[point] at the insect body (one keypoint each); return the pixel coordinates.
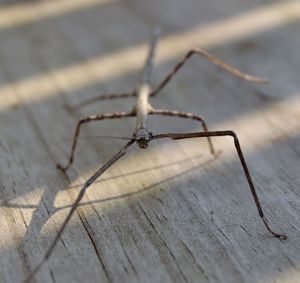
(142, 109)
(143, 135)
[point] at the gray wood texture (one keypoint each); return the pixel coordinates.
(170, 213)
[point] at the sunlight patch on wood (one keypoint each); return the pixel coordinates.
(100, 69)
(19, 14)
(12, 213)
(288, 276)
(244, 126)
(241, 26)
(110, 194)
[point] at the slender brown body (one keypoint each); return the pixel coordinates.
(142, 109)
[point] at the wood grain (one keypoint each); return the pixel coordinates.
(171, 213)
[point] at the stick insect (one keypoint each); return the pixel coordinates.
(143, 135)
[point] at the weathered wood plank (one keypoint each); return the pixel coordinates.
(171, 213)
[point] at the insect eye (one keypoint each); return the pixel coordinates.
(142, 143)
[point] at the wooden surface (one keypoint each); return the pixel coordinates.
(171, 213)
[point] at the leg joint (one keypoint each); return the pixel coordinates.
(234, 135)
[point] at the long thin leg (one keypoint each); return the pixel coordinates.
(215, 60)
(88, 183)
(102, 97)
(187, 115)
(87, 120)
(177, 136)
